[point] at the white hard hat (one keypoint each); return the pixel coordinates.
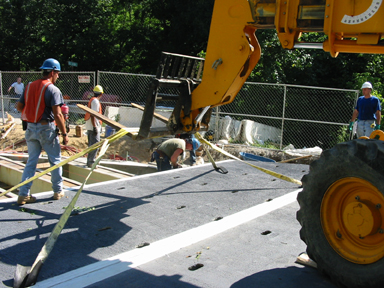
(367, 85)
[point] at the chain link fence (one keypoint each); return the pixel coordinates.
(275, 116)
(73, 85)
(265, 115)
(127, 88)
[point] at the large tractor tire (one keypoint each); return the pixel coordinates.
(342, 212)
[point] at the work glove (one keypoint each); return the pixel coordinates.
(377, 127)
(350, 126)
(95, 130)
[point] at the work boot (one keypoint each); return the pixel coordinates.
(58, 195)
(21, 200)
(89, 165)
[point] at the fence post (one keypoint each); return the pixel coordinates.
(2, 99)
(282, 118)
(217, 125)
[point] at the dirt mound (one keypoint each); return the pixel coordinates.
(140, 150)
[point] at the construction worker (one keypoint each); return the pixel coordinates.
(40, 106)
(92, 124)
(167, 153)
(18, 86)
(367, 112)
(192, 153)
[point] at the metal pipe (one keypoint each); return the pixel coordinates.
(303, 45)
(2, 98)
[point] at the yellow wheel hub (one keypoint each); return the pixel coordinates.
(352, 216)
(377, 134)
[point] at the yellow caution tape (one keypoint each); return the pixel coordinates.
(117, 135)
(48, 246)
(274, 174)
(211, 159)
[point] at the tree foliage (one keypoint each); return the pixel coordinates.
(315, 67)
(129, 35)
(117, 35)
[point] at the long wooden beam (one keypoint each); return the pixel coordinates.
(103, 118)
(156, 115)
(155, 132)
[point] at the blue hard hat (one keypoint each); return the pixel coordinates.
(195, 143)
(51, 64)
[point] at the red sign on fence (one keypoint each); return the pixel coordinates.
(84, 79)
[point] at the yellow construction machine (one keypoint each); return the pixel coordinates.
(342, 202)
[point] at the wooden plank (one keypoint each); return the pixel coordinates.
(304, 259)
(8, 195)
(7, 131)
(154, 132)
(19, 167)
(103, 118)
(294, 159)
(156, 115)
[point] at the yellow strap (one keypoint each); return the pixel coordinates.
(48, 246)
(132, 132)
(274, 174)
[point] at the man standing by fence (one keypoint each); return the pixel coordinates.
(367, 112)
(92, 124)
(19, 88)
(40, 105)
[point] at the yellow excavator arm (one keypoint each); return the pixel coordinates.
(233, 50)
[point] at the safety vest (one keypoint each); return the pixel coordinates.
(87, 116)
(34, 101)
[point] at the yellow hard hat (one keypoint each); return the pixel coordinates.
(98, 89)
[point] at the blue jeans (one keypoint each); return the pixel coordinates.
(364, 128)
(192, 154)
(92, 139)
(40, 137)
(12, 102)
(163, 163)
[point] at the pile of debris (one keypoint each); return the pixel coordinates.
(7, 126)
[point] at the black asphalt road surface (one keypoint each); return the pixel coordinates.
(196, 228)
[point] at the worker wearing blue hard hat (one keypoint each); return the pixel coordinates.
(40, 107)
(195, 143)
(167, 153)
(51, 64)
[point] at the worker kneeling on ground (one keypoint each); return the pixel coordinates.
(93, 125)
(167, 153)
(193, 152)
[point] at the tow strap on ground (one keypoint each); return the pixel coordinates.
(26, 276)
(217, 168)
(274, 174)
(117, 135)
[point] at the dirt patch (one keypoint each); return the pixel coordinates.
(141, 150)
